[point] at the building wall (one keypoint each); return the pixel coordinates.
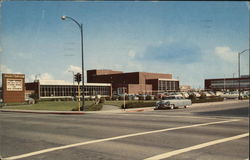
(33, 86)
(13, 88)
(143, 76)
(91, 75)
(154, 83)
(66, 90)
(118, 79)
(140, 89)
(227, 83)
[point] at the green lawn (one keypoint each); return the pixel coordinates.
(65, 105)
(50, 105)
(120, 102)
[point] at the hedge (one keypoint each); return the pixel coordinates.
(203, 100)
(93, 107)
(138, 104)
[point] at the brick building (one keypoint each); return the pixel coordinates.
(134, 82)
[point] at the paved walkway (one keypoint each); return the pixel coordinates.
(109, 107)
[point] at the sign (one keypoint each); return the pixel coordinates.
(14, 84)
(13, 75)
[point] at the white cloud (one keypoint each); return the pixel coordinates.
(226, 54)
(5, 69)
(44, 77)
(131, 53)
(73, 68)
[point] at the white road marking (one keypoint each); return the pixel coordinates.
(199, 146)
(113, 138)
(170, 116)
(198, 117)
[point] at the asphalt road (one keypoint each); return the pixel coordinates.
(197, 133)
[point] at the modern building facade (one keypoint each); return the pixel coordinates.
(227, 84)
(134, 82)
(54, 90)
(102, 83)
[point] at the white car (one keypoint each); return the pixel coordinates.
(171, 102)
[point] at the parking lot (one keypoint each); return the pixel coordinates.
(218, 131)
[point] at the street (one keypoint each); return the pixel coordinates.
(205, 132)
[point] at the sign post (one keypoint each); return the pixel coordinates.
(79, 97)
(78, 80)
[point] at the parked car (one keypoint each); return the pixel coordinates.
(230, 95)
(185, 94)
(171, 102)
(219, 93)
(196, 94)
(207, 94)
(212, 93)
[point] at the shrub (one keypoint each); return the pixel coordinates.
(93, 107)
(122, 97)
(108, 98)
(192, 97)
(215, 99)
(141, 97)
(115, 97)
(102, 100)
(138, 104)
(35, 97)
(203, 96)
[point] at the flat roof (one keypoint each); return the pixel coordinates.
(226, 79)
(61, 83)
(163, 79)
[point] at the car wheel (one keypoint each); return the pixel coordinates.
(171, 106)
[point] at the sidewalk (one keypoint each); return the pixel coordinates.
(214, 103)
(114, 110)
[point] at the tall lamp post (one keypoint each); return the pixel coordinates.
(239, 68)
(81, 30)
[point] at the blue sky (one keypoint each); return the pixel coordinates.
(191, 40)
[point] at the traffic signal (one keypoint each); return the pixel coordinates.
(78, 77)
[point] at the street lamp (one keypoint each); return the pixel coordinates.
(81, 30)
(239, 68)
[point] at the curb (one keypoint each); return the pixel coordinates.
(216, 103)
(140, 110)
(44, 112)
